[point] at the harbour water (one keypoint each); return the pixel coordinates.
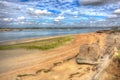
(39, 33)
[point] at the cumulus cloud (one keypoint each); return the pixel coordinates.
(92, 12)
(31, 9)
(117, 11)
(8, 19)
(112, 16)
(64, 1)
(41, 12)
(21, 18)
(59, 18)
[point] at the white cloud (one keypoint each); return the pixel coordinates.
(64, 1)
(31, 9)
(117, 11)
(21, 18)
(7, 19)
(75, 16)
(59, 18)
(92, 12)
(41, 12)
(112, 16)
(56, 20)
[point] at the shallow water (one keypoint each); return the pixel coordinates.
(24, 34)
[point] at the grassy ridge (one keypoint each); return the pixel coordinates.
(41, 45)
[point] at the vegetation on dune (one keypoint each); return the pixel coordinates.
(41, 45)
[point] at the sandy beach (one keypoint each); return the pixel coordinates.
(24, 64)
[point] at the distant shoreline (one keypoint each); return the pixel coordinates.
(47, 28)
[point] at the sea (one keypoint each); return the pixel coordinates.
(40, 33)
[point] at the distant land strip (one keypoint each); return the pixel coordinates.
(10, 29)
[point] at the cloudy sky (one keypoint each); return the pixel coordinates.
(59, 13)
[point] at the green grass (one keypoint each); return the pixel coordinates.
(41, 45)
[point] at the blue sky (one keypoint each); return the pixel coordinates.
(59, 13)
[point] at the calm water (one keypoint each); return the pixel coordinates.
(24, 34)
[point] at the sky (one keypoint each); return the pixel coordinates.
(59, 13)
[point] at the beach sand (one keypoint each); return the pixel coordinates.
(53, 64)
